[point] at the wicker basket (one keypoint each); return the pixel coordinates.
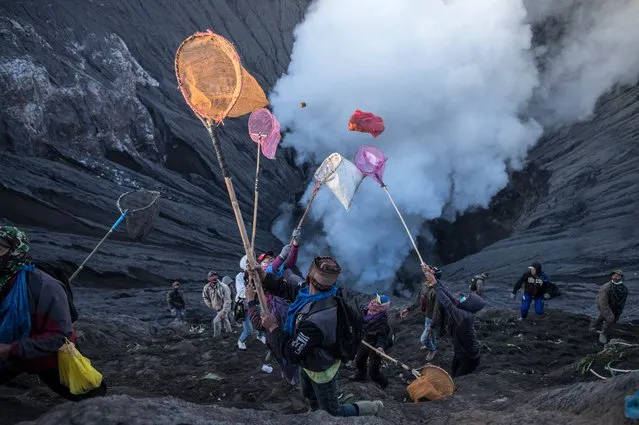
(434, 384)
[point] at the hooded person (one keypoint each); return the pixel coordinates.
(477, 283)
(217, 297)
(377, 332)
(533, 281)
(175, 300)
(427, 303)
(35, 318)
(458, 319)
(611, 300)
(242, 302)
(309, 336)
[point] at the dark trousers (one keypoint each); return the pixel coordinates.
(367, 356)
(51, 378)
(324, 396)
(463, 366)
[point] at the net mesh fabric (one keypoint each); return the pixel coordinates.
(143, 210)
(371, 161)
(265, 129)
(213, 81)
(434, 384)
(341, 176)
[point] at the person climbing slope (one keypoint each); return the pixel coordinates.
(175, 300)
(458, 316)
(35, 318)
(217, 297)
(428, 305)
(377, 332)
(533, 282)
(477, 283)
(611, 300)
(310, 336)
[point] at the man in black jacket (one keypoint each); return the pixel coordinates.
(309, 336)
(534, 287)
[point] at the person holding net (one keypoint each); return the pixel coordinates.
(311, 335)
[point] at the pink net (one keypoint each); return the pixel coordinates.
(371, 162)
(265, 129)
(269, 146)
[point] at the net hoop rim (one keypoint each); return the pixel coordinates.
(153, 192)
(327, 177)
(235, 60)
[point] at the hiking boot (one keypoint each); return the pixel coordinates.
(369, 408)
(603, 338)
(381, 381)
(358, 376)
(261, 338)
(430, 356)
(241, 345)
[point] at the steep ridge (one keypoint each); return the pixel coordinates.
(90, 110)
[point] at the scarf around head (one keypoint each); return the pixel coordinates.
(13, 261)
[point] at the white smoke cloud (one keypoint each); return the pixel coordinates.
(598, 48)
(452, 80)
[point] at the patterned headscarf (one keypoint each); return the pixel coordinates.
(12, 262)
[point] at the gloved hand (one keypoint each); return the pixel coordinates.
(285, 251)
(296, 234)
(512, 296)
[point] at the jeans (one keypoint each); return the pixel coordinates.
(178, 313)
(430, 343)
(247, 326)
(324, 396)
(526, 300)
(463, 366)
(217, 325)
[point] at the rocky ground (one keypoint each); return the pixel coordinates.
(531, 372)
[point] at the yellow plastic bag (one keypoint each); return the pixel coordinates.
(76, 372)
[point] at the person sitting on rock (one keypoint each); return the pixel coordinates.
(217, 297)
(458, 317)
(175, 300)
(377, 332)
(35, 318)
(286, 259)
(477, 283)
(611, 301)
(428, 305)
(533, 282)
(309, 336)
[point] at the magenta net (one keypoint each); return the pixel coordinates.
(265, 129)
(371, 162)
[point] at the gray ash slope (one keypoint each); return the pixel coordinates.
(581, 217)
(90, 109)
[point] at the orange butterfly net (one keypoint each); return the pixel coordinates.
(215, 85)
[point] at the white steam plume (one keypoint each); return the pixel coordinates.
(599, 47)
(452, 81)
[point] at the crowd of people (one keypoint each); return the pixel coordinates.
(305, 325)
